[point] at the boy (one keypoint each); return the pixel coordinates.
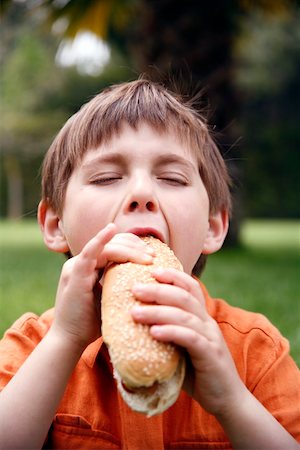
(136, 160)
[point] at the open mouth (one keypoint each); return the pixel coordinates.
(141, 232)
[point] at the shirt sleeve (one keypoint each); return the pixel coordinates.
(264, 363)
(262, 358)
(17, 344)
(278, 386)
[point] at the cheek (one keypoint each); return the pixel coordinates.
(188, 233)
(80, 222)
(191, 245)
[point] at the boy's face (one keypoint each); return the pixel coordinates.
(146, 183)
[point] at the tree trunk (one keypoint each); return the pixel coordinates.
(190, 45)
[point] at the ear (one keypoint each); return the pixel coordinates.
(51, 228)
(218, 227)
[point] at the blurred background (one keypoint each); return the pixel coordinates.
(245, 58)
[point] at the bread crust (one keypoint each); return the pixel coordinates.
(156, 399)
(138, 359)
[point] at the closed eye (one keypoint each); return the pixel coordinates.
(106, 180)
(173, 180)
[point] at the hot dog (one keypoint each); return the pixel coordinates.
(149, 373)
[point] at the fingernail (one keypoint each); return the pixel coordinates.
(158, 271)
(137, 288)
(136, 310)
(147, 258)
(150, 251)
(155, 331)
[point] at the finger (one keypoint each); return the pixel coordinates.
(96, 244)
(161, 315)
(184, 281)
(108, 245)
(193, 342)
(180, 279)
(131, 240)
(169, 295)
(121, 252)
(128, 247)
(88, 257)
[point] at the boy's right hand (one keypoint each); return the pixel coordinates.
(77, 307)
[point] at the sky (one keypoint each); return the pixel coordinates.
(87, 52)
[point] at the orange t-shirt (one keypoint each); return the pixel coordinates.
(92, 415)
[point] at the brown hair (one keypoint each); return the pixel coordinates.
(139, 101)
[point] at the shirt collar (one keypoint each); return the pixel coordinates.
(91, 352)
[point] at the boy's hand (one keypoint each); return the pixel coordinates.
(77, 308)
(180, 317)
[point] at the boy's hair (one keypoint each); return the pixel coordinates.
(136, 102)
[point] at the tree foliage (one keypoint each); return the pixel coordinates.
(268, 68)
(246, 55)
(36, 99)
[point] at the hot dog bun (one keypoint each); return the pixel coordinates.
(149, 373)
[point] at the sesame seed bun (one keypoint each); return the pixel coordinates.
(149, 373)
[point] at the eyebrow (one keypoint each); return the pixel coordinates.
(106, 158)
(171, 158)
(119, 158)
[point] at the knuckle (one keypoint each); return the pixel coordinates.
(187, 297)
(67, 269)
(197, 290)
(154, 292)
(217, 349)
(188, 320)
(195, 283)
(194, 338)
(83, 255)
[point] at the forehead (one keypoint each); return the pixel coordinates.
(142, 141)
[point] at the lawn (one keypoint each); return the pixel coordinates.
(262, 275)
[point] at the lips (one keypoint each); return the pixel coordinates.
(146, 231)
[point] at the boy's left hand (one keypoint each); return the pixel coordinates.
(179, 315)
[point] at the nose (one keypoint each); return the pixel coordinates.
(141, 195)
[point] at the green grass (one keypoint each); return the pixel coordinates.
(262, 275)
(28, 271)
